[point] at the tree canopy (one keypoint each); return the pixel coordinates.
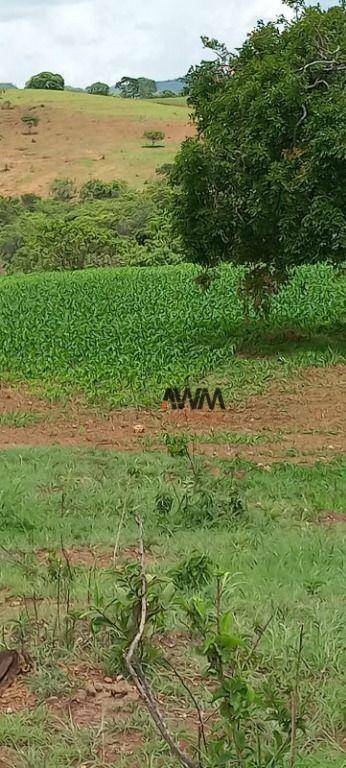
(46, 80)
(98, 89)
(263, 182)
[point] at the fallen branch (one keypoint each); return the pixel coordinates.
(134, 667)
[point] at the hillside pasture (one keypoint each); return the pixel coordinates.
(81, 136)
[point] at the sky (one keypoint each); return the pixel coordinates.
(88, 40)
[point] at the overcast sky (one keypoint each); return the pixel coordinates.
(88, 40)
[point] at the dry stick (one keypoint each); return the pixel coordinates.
(295, 701)
(259, 638)
(121, 522)
(70, 574)
(137, 673)
(66, 558)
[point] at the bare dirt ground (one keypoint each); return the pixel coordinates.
(81, 139)
(301, 420)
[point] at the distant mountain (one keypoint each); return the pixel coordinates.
(7, 85)
(176, 85)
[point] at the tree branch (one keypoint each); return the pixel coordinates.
(300, 121)
(134, 667)
(317, 82)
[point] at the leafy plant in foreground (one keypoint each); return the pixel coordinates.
(120, 617)
(253, 725)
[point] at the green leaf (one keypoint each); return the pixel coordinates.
(226, 623)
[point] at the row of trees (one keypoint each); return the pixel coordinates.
(128, 87)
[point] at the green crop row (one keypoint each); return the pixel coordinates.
(128, 333)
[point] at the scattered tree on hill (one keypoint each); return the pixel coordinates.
(154, 137)
(128, 87)
(263, 183)
(98, 89)
(147, 88)
(136, 87)
(30, 121)
(46, 80)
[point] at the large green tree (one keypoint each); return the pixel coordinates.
(263, 182)
(136, 87)
(128, 87)
(147, 87)
(46, 80)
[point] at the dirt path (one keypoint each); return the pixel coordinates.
(301, 420)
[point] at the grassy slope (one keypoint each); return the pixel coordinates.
(76, 130)
(281, 559)
(127, 334)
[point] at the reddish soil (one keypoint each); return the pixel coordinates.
(332, 517)
(16, 698)
(94, 698)
(300, 420)
(98, 702)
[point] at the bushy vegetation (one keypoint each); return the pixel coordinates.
(101, 224)
(154, 137)
(127, 334)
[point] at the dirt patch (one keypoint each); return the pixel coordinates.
(16, 698)
(96, 697)
(13, 400)
(8, 757)
(303, 419)
(98, 557)
(81, 556)
(333, 517)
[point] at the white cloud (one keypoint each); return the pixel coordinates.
(87, 40)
